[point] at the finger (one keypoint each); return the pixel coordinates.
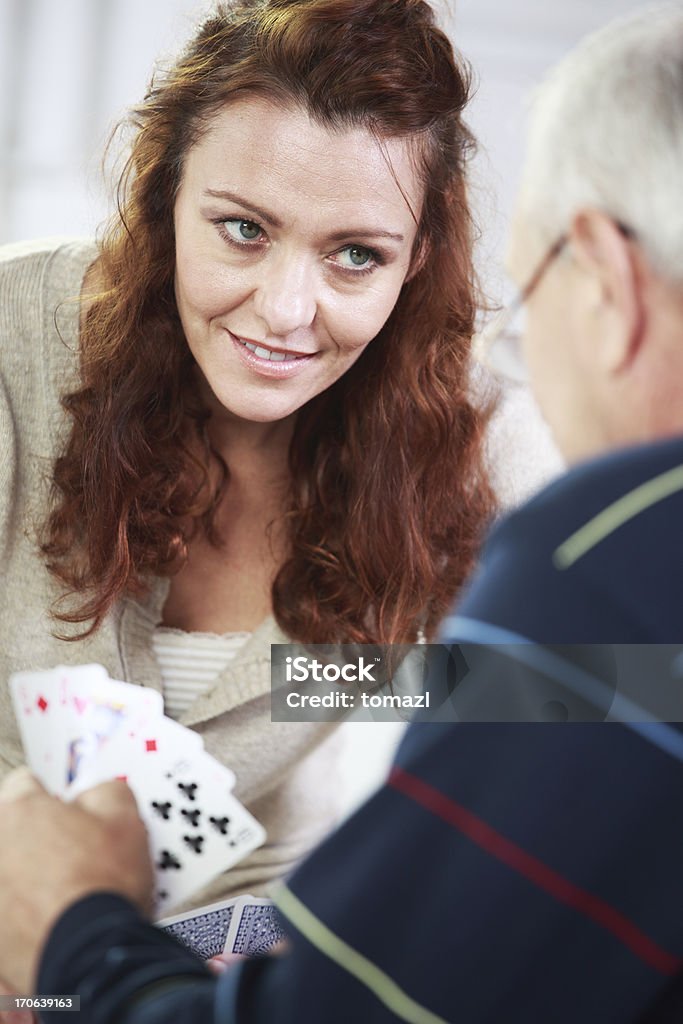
(221, 963)
(19, 783)
(108, 800)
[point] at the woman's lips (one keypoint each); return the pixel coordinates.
(270, 362)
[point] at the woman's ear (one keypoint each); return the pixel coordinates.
(613, 285)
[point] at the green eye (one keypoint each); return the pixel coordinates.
(357, 259)
(241, 231)
(249, 230)
(359, 256)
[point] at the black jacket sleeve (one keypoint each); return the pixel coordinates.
(123, 969)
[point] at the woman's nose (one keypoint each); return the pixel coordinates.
(285, 297)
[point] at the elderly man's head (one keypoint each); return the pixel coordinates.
(600, 213)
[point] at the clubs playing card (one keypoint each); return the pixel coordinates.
(197, 828)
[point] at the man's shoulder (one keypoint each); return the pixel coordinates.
(600, 497)
(591, 558)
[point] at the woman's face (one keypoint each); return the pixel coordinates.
(292, 244)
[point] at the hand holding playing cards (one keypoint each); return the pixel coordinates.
(54, 853)
(80, 728)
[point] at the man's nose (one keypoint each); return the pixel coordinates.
(285, 298)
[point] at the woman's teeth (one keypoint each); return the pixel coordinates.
(266, 353)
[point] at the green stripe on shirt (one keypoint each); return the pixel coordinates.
(351, 961)
(615, 515)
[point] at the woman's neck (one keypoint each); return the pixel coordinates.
(251, 450)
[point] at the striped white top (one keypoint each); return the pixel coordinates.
(190, 662)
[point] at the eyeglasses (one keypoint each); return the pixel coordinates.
(499, 344)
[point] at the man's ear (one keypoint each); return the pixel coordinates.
(614, 286)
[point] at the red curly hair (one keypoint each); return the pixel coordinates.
(389, 489)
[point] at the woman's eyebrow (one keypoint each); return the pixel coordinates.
(340, 236)
(232, 197)
(271, 219)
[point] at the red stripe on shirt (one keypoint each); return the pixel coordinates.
(487, 838)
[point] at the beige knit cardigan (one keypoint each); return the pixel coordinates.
(287, 773)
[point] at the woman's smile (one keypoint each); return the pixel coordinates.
(268, 361)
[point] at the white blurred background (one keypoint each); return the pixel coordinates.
(69, 68)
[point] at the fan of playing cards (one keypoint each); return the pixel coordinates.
(80, 728)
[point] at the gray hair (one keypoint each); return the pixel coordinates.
(607, 132)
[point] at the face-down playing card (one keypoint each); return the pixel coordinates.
(255, 928)
(204, 930)
(245, 924)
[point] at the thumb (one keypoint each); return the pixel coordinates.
(19, 783)
(109, 800)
